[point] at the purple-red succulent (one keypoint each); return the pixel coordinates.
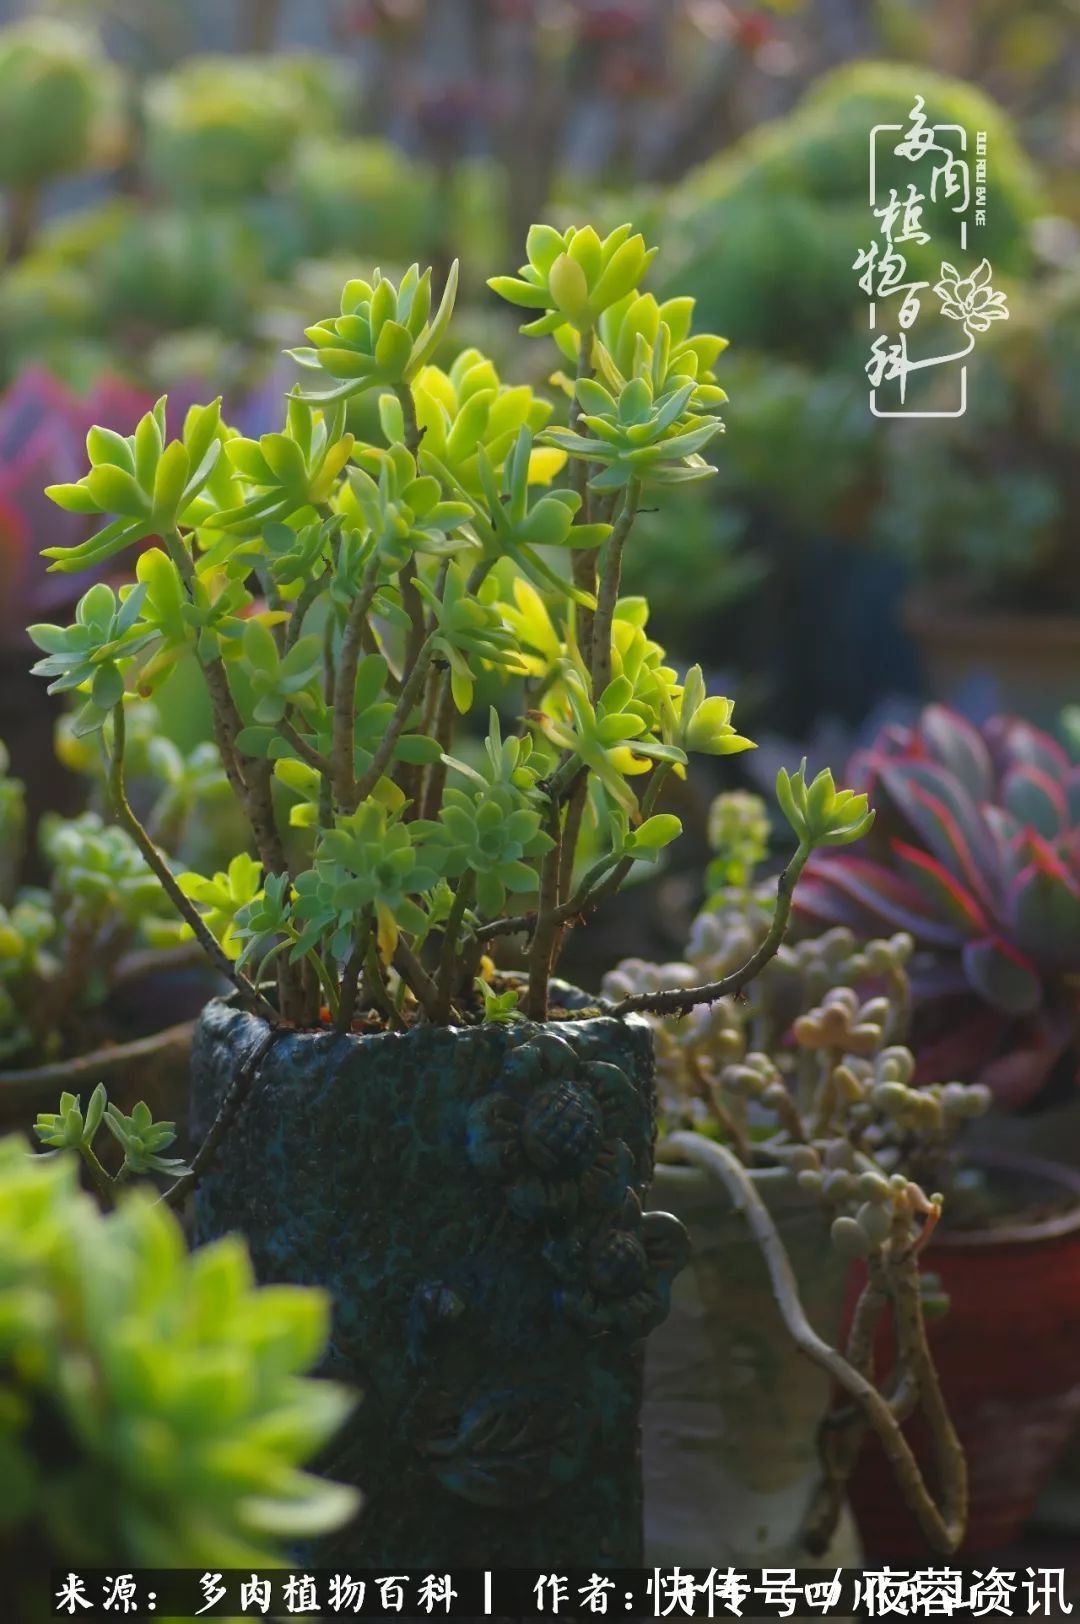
(976, 853)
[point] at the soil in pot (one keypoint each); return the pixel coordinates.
(471, 1199)
(732, 1409)
(1007, 1355)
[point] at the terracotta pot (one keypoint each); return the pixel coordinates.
(154, 1069)
(732, 1410)
(1033, 660)
(1008, 1357)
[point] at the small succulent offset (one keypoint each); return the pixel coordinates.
(809, 1070)
(156, 1408)
(351, 602)
(139, 1137)
(977, 856)
(102, 921)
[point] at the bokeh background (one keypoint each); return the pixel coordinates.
(187, 183)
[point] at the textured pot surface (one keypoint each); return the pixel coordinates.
(732, 1410)
(1008, 1357)
(471, 1198)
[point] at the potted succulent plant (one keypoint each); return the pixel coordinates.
(58, 106)
(97, 981)
(975, 854)
(459, 1156)
(157, 1408)
(786, 1112)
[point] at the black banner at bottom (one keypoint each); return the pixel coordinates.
(321, 1594)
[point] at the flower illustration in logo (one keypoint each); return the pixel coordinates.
(971, 299)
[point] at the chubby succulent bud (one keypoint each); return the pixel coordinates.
(864, 1037)
(890, 1098)
(849, 1238)
(839, 1154)
(810, 1180)
(874, 1187)
(895, 1065)
(880, 958)
(837, 944)
(875, 1221)
(848, 1085)
(926, 1111)
(838, 1185)
(804, 1158)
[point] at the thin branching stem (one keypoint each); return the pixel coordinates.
(583, 559)
(344, 725)
(608, 594)
(403, 710)
(167, 879)
(680, 1000)
(450, 955)
(304, 750)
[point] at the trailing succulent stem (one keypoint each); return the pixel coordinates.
(803, 1067)
(943, 1524)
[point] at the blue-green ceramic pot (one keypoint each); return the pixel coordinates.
(472, 1200)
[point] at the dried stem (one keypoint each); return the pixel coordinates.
(944, 1525)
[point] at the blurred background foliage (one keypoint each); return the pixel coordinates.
(186, 183)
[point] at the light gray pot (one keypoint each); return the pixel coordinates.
(732, 1410)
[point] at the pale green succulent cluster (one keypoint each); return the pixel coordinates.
(154, 1405)
(807, 1068)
